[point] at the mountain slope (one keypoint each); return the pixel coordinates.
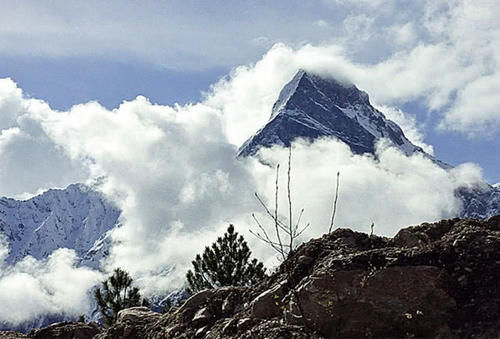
(76, 217)
(479, 202)
(311, 106)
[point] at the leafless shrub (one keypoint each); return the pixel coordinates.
(285, 232)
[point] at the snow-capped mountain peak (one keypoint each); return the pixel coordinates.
(76, 217)
(312, 106)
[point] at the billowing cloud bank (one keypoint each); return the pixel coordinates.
(53, 286)
(173, 172)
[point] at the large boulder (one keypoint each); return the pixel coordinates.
(131, 323)
(66, 330)
(388, 303)
(268, 304)
(12, 335)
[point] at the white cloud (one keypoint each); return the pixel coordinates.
(322, 23)
(392, 191)
(404, 34)
(408, 124)
(476, 109)
(34, 288)
(359, 26)
(24, 147)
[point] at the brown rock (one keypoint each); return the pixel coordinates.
(201, 318)
(137, 315)
(406, 238)
(268, 304)
(392, 302)
(66, 330)
(131, 323)
(12, 335)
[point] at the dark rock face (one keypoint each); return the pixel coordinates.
(399, 300)
(311, 106)
(12, 335)
(435, 280)
(66, 330)
(131, 323)
(479, 202)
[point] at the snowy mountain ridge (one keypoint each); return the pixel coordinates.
(311, 106)
(77, 217)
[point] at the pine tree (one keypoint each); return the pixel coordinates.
(225, 263)
(117, 294)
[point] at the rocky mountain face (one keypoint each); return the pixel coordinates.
(311, 106)
(435, 280)
(480, 202)
(76, 217)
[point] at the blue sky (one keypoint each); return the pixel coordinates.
(70, 52)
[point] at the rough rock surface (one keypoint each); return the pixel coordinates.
(131, 323)
(66, 330)
(438, 280)
(12, 335)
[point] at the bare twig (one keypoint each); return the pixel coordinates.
(268, 212)
(298, 220)
(290, 196)
(265, 238)
(283, 229)
(335, 203)
(276, 220)
(262, 229)
(302, 230)
(269, 242)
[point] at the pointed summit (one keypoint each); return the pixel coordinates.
(303, 82)
(312, 106)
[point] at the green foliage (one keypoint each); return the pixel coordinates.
(225, 263)
(117, 294)
(169, 305)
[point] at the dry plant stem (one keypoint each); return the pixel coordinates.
(271, 215)
(290, 196)
(298, 220)
(276, 220)
(265, 237)
(283, 246)
(335, 203)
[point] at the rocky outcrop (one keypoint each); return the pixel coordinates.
(11, 335)
(66, 330)
(435, 280)
(131, 323)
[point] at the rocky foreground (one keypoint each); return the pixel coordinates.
(437, 280)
